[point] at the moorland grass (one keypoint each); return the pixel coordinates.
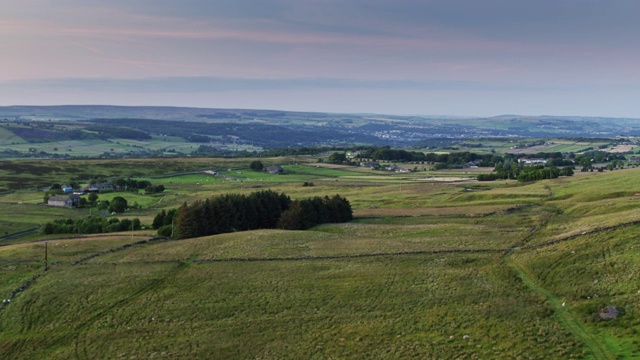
(317, 170)
(17, 217)
(589, 273)
(96, 148)
(68, 249)
(16, 271)
(9, 138)
(436, 306)
(37, 173)
(416, 295)
(422, 235)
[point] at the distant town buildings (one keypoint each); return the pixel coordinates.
(532, 161)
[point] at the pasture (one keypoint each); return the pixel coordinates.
(427, 269)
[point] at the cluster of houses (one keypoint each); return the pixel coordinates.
(398, 169)
(71, 197)
(67, 201)
(374, 165)
(275, 170)
(105, 186)
(473, 164)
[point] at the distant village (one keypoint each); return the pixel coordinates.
(68, 196)
(71, 196)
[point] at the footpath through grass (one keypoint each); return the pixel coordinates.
(598, 346)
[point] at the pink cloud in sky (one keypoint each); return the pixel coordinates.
(489, 44)
(353, 50)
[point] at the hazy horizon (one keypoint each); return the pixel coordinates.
(438, 57)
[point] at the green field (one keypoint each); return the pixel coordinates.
(9, 138)
(18, 217)
(428, 269)
(548, 145)
(168, 145)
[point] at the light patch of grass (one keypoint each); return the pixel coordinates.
(392, 307)
(9, 138)
(22, 217)
(589, 273)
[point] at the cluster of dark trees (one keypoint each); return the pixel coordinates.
(229, 213)
(587, 159)
(442, 161)
(554, 159)
(39, 135)
(198, 138)
(256, 165)
(314, 150)
(509, 169)
(297, 151)
(557, 164)
(388, 154)
(163, 222)
(337, 158)
(135, 185)
(214, 151)
(92, 225)
(457, 160)
(259, 210)
(490, 177)
(506, 166)
(305, 214)
(118, 205)
(540, 172)
(118, 132)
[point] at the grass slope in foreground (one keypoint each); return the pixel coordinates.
(400, 307)
(445, 273)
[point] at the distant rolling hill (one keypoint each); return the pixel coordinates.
(271, 129)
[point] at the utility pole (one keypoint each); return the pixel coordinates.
(46, 251)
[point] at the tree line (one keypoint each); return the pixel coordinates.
(135, 185)
(91, 225)
(263, 135)
(442, 161)
(259, 210)
(514, 170)
(386, 153)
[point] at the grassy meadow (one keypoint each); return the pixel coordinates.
(427, 269)
(169, 145)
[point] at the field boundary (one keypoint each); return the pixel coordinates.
(119, 248)
(21, 288)
(21, 233)
(329, 257)
(355, 256)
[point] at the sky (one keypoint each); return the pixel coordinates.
(426, 57)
